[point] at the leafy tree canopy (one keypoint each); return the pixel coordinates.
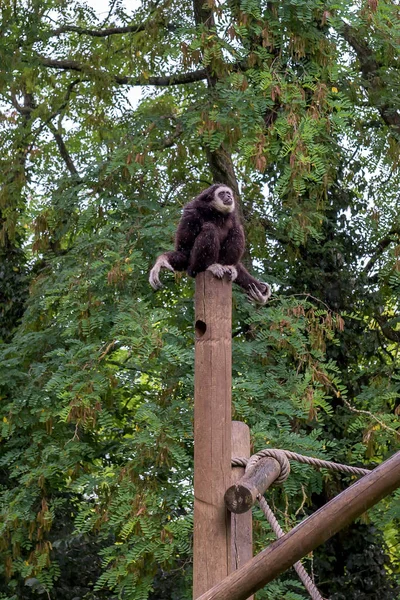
(296, 105)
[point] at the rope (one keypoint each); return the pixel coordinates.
(283, 457)
(278, 455)
(325, 464)
(301, 572)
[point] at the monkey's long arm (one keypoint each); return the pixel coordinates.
(205, 250)
(188, 229)
(178, 259)
(173, 261)
(233, 247)
(256, 290)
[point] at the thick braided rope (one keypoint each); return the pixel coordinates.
(325, 464)
(278, 454)
(300, 570)
(283, 456)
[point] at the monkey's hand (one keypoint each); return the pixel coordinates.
(220, 270)
(260, 294)
(217, 270)
(161, 263)
(231, 271)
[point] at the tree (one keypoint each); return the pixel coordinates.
(295, 105)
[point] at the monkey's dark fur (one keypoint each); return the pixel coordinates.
(210, 237)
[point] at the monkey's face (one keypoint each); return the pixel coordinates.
(223, 200)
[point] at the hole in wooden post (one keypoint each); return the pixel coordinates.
(200, 328)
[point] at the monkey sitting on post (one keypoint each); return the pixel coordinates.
(210, 237)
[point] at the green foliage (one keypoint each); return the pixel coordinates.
(300, 103)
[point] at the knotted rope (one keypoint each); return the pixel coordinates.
(283, 457)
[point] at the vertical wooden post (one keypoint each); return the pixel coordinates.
(212, 431)
(241, 525)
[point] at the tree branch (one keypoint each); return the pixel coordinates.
(169, 141)
(26, 108)
(14, 176)
(57, 112)
(220, 160)
(63, 150)
(370, 69)
(382, 245)
(371, 415)
(96, 32)
(163, 80)
(391, 334)
(101, 33)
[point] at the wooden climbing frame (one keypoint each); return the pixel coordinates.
(222, 563)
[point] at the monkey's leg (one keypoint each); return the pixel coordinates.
(231, 251)
(233, 247)
(204, 254)
(256, 290)
(173, 261)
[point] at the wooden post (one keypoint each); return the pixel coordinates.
(241, 496)
(241, 525)
(310, 533)
(212, 431)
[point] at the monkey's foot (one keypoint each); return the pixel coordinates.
(254, 293)
(231, 271)
(217, 270)
(154, 279)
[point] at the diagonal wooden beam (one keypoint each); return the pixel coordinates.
(309, 534)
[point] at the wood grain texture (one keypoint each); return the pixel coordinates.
(212, 431)
(241, 525)
(241, 496)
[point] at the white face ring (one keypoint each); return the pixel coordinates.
(220, 202)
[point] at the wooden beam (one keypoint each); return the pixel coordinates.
(241, 525)
(310, 533)
(212, 431)
(241, 496)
